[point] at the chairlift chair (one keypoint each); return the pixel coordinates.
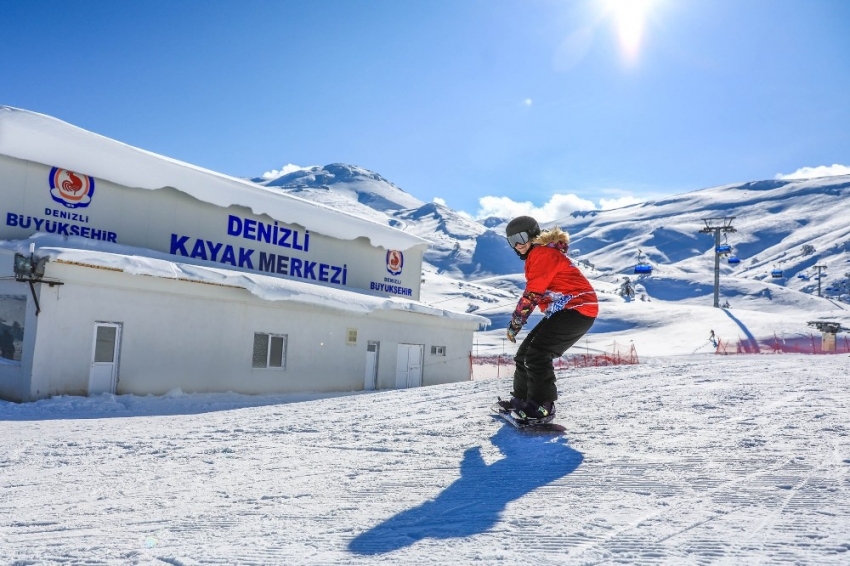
(643, 267)
(723, 249)
(777, 273)
(733, 260)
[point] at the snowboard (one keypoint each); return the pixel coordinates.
(524, 425)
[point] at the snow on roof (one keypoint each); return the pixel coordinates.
(43, 139)
(137, 261)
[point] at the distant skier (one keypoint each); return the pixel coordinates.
(626, 289)
(570, 307)
(712, 339)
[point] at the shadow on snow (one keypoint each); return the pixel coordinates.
(752, 339)
(475, 502)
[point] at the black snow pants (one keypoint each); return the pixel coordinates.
(534, 376)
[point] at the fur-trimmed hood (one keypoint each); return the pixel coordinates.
(554, 238)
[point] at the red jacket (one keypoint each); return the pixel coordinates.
(549, 272)
(553, 283)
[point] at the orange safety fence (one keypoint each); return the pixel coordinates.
(615, 357)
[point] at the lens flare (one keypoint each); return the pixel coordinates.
(629, 18)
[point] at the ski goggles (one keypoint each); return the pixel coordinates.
(519, 238)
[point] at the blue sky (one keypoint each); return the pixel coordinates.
(494, 106)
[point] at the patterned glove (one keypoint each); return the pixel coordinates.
(512, 332)
(520, 315)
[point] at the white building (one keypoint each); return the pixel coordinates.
(153, 274)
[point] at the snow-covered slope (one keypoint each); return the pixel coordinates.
(786, 225)
(692, 460)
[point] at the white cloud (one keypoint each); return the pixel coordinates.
(439, 200)
(820, 171)
(285, 170)
(558, 207)
(528, 102)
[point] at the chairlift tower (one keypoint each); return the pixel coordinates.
(819, 268)
(717, 226)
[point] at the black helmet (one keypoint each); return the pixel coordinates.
(521, 230)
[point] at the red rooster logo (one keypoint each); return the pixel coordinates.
(72, 184)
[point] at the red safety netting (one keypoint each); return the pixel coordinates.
(811, 344)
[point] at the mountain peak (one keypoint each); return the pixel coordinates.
(361, 185)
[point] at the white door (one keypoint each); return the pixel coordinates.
(104, 365)
(409, 366)
(371, 379)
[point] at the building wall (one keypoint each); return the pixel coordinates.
(199, 337)
(193, 231)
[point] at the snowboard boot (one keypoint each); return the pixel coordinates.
(537, 412)
(513, 404)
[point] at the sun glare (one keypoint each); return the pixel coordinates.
(629, 17)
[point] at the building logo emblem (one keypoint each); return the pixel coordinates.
(70, 189)
(395, 262)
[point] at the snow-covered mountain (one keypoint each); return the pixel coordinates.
(343, 185)
(454, 237)
(787, 226)
(780, 226)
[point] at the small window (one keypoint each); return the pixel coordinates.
(269, 351)
(104, 345)
(438, 350)
(351, 337)
(13, 310)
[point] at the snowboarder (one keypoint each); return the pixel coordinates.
(569, 305)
